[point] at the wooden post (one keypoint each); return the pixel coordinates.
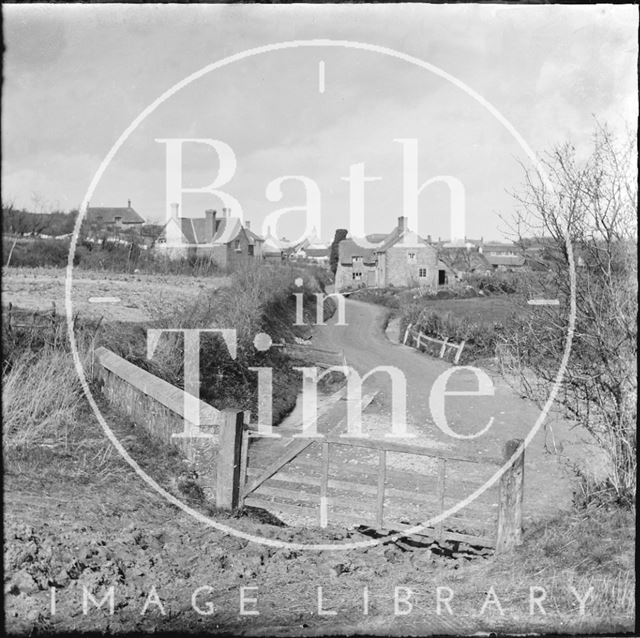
(444, 347)
(382, 475)
(510, 504)
(229, 454)
(441, 485)
(460, 347)
(244, 458)
(324, 485)
(406, 334)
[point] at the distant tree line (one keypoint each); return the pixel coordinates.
(18, 221)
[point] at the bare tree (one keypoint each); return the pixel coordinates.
(593, 203)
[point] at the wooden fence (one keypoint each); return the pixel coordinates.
(420, 339)
(160, 408)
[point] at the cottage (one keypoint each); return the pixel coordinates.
(222, 238)
(113, 218)
(401, 258)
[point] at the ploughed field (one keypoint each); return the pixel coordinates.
(141, 296)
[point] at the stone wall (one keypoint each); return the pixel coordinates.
(399, 270)
(158, 407)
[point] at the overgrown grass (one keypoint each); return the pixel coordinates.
(259, 300)
(40, 396)
(41, 391)
(479, 321)
(106, 256)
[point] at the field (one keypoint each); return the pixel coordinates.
(141, 295)
(482, 310)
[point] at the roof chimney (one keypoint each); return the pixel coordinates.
(128, 203)
(248, 225)
(402, 224)
(225, 212)
(174, 210)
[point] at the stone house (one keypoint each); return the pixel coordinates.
(401, 258)
(221, 238)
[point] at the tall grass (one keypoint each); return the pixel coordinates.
(40, 395)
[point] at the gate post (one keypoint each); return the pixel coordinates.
(510, 503)
(228, 464)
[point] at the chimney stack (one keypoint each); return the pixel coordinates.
(210, 223)
(225, 212)
(402, 224)
(128, 203)
(248, 225)
(174, 210)
(428, 239)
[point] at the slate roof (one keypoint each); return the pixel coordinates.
(505, 260)
(500, 246)
(108, 214)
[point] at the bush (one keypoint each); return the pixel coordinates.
(105, 256)
(480, 338)
(30, 253)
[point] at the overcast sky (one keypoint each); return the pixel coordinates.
(77, 76)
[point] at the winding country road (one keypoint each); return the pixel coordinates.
(364, 345)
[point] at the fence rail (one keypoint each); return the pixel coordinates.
(419, 337)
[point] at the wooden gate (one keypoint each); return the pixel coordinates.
(384, 485)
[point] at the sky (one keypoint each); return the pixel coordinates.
(76, 76)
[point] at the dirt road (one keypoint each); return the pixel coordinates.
(364, 345)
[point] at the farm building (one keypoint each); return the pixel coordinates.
(401, 258)
(461, 260)
(502, 256)
(222, 238)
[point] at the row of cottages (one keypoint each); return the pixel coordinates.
(401, 258)
(220, 237)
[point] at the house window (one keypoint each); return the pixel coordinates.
(356, 259)
(356, 276)
(236, 244)
(250, 250)
(422, 272)
(411, 256)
